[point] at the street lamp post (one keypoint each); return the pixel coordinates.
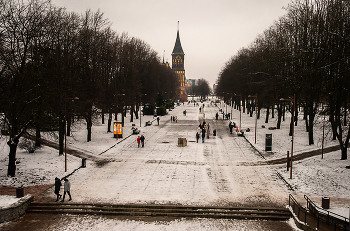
(256, 111)
(140, 107)
(291, 152)
(65, 129)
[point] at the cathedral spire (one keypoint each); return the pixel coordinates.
(178, 48)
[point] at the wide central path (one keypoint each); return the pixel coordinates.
(211, 173)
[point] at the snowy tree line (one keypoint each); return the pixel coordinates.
(306, 53)
(49, 56)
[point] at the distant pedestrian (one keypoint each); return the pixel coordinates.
(138, 141)
(176, 119)
(203, 135)
(158, 120)
(58, 188)
(142, 139)
(171, 118)
(230, 125)
(217, 116)
(66, 190)
(197, 136)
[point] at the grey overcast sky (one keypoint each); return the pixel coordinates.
(210, 31)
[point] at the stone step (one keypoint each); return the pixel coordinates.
(163, 210)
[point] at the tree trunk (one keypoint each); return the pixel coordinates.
(37, 136)
(273, 111)
(296, 114)
(267, 114)
(137, 112)
(13, 142)
(279, 115)
(132, 113)
(11, 170)
(311, 126)
(89, 125)
(123, 116)
(103, 116)
(243, 105)
(109, 122)
(344, 152)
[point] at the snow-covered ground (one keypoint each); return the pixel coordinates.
(314, 176)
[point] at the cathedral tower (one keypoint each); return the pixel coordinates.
(178, 60)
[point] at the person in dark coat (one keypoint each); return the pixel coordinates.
(142, 138)
(203, 135)
(58, 188)
(230, 126)
(197, 136)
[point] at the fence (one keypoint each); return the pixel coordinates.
(316, 217)
(299, 210)
(322, 215)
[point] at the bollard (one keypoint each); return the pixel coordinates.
(19, 192)
(83, 163)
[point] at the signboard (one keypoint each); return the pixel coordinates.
(268, 143)
(118, 130)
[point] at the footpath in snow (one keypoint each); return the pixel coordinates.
(223, 170)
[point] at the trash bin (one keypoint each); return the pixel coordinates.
(325, 202)
(19, 192)
(83, 163)
(268, 143)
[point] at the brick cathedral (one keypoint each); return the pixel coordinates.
(178, 65)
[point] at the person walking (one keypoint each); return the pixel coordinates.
(66, 190)
(230, 125)
(158, 120)
(138, 141)
(197, 136)
(58, 188)
(203, 135)
(142, 139)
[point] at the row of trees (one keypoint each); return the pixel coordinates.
(49, 56)
(306, 53)
(200, 88)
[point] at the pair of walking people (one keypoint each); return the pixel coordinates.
(66, 189)
(140, 140)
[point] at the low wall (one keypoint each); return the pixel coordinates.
(15, 210)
